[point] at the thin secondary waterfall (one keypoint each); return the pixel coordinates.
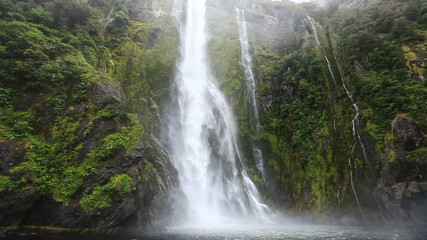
(246, 62)
(108, 19)
(201, 135)
(356, 118)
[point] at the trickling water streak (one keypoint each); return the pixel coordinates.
(201, 135)
(355, 120)
(109, 19)
(259, 162)
(332, 110)
(246, 62)
(316, 37)
(352, 182)
(355, 195)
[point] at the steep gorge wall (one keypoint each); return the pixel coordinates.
(307, 117)
(318, 166)
(80, 89)
(82, 94)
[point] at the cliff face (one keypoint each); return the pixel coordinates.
(330, 91)
(343, 109)
(108, 184)
(342, 100)
(401, 187)
(81, 84)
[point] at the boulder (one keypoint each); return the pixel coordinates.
(108, 95)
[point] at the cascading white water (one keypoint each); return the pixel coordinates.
(201, 135)
(108, 19)
(356, 118)
(246, 62)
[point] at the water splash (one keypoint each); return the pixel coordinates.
(201, 135)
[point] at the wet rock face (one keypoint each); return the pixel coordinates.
(408, 133)
(148, 164)
(15, 205)
(408, 137)
(402, 187)
(163, 179)
(10, 155)
(405, 202)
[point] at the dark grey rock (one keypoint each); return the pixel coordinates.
(147, 203)
(108, 94)
(401, 187)
(405, 202)
(148, 200)
(15, 205)
(408, 134)
(11, 154)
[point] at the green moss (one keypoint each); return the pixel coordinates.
(257, 179)
(103, 196)
(7, 96)
(15, 125)
(57, 102)
(310, 156)
(420, 153)
(146, 172)
(108, 114)
(390, 157)
(48, 158)
(56, 161)
(52, 50)
(7, 184)
(144, 63)
(127, 138)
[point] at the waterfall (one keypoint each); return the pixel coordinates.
(200, 133)
(356, 118)
(108, 19)
(246, 62)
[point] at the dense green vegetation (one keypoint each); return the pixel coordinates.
(52, 54)
(300, 126)
(388, 40)
(378, 51)
(101, 196)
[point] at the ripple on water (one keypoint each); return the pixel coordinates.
(250, 232)
(293, 232)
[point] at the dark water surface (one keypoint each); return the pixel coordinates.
(287, 232)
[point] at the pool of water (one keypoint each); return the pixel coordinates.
(283, 232)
